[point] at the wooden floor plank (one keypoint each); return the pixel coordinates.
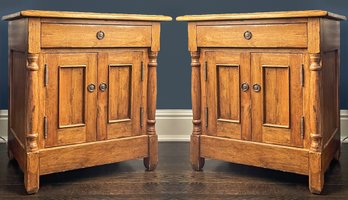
(173, 179)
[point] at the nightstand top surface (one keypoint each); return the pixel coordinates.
(85, 15)
(262, 15)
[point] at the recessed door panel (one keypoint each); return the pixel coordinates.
(119, 104)
(224, 111)
(71, 117)
(277, 98)
(120, 90)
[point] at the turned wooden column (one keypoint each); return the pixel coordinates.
(151, 161)
(316, 173)
(31, 175)
(197, 162)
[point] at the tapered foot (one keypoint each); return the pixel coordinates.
(149, 165)
(10, 155)
(337, 155)
(197, 162)
(151, 162)
(316, 173)
(31, 174)
(32, 189)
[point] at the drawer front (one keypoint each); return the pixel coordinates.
(82, 35)
(272, 35)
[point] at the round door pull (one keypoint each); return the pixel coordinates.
(91, 87)
(256, 87)
(245, 87)
(103, 87)
(100, 35)
(248, 35)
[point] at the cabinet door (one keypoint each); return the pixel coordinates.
(119, 105)
(228, 108)
(70, 107)
(277, 106)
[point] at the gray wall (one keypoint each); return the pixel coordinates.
(174, 62)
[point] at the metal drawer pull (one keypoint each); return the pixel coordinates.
(248, 35)
(100, 35)
(257, 87)
(91, 87)
(245, 87)
(103, 87)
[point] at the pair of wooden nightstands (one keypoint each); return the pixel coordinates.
(265, 90)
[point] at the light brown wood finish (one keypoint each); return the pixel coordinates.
(268, 35)
(85, 15)
(84, 35)
(262, 15)
(292, 122)
(57, 121)
(152, 161)
(197, 162)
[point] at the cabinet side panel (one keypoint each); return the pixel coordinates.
(330, 95)
(18, 35)
(330, 45)
(17, 46)
(18, 92)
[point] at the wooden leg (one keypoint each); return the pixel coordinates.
(31, 174)
(337, 154)
(197, 162)
(316, 173)
(10, 155)
(151, 161)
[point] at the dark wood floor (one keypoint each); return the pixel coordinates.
(173, 179)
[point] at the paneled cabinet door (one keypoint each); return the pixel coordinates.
(228, 108)
(121, 76)
(71, 98)
(276, 98)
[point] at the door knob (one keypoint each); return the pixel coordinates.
(256, 87)
(103, 87)
(91, 87)
(245, 87)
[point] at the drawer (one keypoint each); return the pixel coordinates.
(86, 35)
(266, 35)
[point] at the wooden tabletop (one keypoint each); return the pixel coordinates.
(85, 15)
(262, 15)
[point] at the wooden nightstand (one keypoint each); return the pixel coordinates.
(82, 90)
(265, 90)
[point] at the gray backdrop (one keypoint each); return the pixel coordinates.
(174, 62)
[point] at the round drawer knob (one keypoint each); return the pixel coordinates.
(248, 35)
(100, 35)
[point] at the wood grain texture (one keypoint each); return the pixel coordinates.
(197, 162)
(291, 64)
(71, 118)
(84, 35)
(224, 94)
(151, 161)
(256, 154)
(86, 155)
(17, 32)
(122, 98)
(261, 15)
(85, 15)
(59, 106)
(277, 108)
(270, 35)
